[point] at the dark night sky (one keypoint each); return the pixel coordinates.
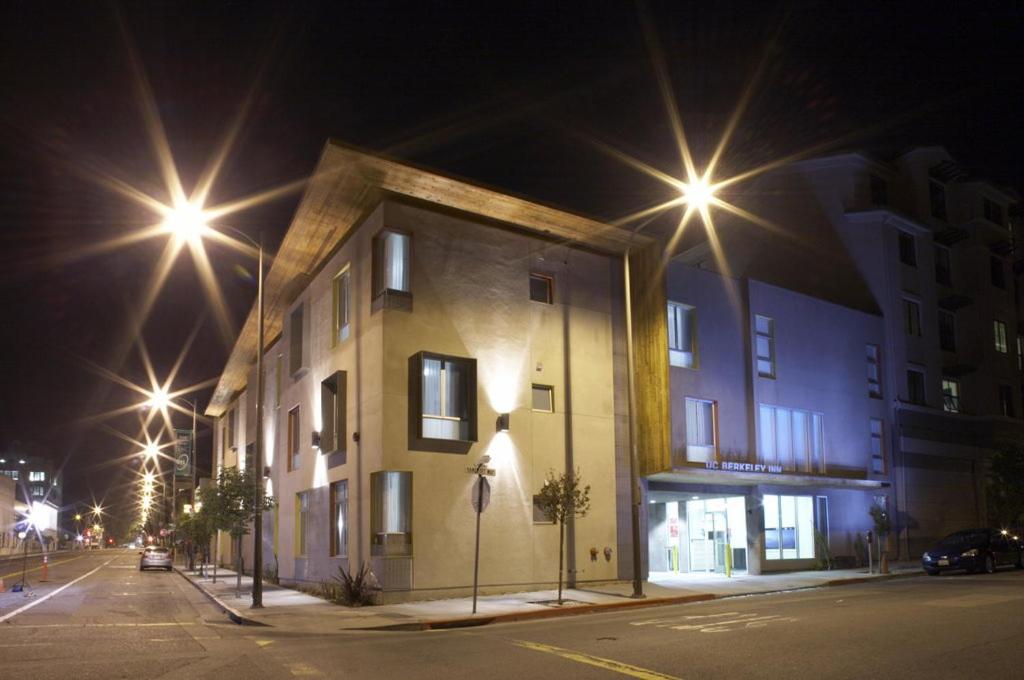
(508, 94)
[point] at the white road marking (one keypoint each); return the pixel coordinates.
(46, 597)
(721, 622)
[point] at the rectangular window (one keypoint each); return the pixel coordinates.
(231, 445)
(391, 262)
(278, 380)
(908, 250)
(764, 341)
(1020, 353)
(788, 527)
(36, 476)
(333, 390)
(445, 399)
(543, 398)
(542, 288)
(877, 447)
(912, 317)
(993, 212)
(947, 331)
(997, 272)
(791, 438)
(296, 342)
(700, 430)
(294, 447)
(950, 395)
(879, 191)
(682, 335)
(1006, 401)
(821, 516)
(301, 523)
(937, 199)
(874, 358)
(339, 518)
(999, 332)
(943, 266)
(539, 515)
(391, 514)
(915, 386)
(341, 297)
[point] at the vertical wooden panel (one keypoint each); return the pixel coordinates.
(650, 343)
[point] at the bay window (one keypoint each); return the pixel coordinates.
(443, 402)
(391, 270)
(391, 514)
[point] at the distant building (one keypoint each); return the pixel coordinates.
(35, 478)
(8, 516)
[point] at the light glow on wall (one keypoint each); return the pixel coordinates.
(319, 470)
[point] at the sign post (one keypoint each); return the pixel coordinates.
(480, 498)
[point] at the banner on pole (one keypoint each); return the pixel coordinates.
(183, 454)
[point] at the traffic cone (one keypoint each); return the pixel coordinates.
(46, 571)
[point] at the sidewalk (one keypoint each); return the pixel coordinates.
(295, 611)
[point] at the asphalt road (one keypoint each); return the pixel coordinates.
(116, 622)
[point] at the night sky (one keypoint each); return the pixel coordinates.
(512, 95)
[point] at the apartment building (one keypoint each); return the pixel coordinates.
(34, 475)
(416, 324)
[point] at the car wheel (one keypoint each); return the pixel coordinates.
(932, 572)
(990, 565)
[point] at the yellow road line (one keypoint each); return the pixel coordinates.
(160, 624)
(607, 664)
(52, 564)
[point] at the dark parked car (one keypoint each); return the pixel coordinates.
(975, 550)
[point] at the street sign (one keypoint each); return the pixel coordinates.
(490, 472)
(481, 494)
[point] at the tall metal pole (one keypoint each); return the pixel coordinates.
(476, 556)
(257, 547)
(634, 465)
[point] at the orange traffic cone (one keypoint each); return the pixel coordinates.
(46, 570)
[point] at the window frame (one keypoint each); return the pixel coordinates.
(674, 327)
(769, 336)
(333, 418)
(549, 282)
(417, 440)
(710, 452)
(878, 437)
(815, 454)
(302, 503)
(297, 341)
(1000, 336)
(550, 389)
(924, 389)
(907, 248)
(799, 545)
(339, 546)
(293, 450)
(381, 295)
(944, 273)
(912, 322)
(379, 502)
(951, 402)
(874, 386)
(341, 292)
(943, 334)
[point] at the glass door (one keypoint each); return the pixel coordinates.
(718, 536)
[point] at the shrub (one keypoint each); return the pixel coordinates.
(355, 589)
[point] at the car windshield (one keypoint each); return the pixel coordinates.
(963, 539)
(156, 550)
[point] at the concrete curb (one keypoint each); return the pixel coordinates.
(233, 614)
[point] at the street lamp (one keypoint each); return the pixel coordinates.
(187, 223)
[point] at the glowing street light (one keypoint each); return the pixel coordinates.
(186, 221)
(698, 193)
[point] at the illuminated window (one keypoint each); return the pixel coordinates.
(877, 447)
(391, 514)
(788, 527)
(341, 296)
(339, 518)
(999, 332)
(682, 335)
(443, 395)
(764, 341)
(542, 288)
(874, 359)
(700, 430)
(791, 438)
(294, 448)
(301, 523)
(36, 476)
(391, 260)
(950, 395)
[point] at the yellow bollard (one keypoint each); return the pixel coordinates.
(728, 560)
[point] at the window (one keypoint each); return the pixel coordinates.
(937, 199)
(943, 266)
(791, 438)
(764, 340)
(230, 432)
(1006, 401)
(999, 331)
(997, 272)
(821, 516)
(278, 380)
(879, 191)
(788, 527)
(36, 476)
(38, 491)
(542, 288)
(443, 399)
(391, 260)
(339, 518)
(682, 335)
(912, 317)
(908, 250)
(993, 212)
(950, 395)
(341, 297)
(296, 341)
(293, 439)
(915, 386)
(391, 514)
(947, 331)
(877, 447)
(700, 430)
(543, 398)
(539, 516)
(874, 358)
(333, 390)
(301, 523)
(1020, 353)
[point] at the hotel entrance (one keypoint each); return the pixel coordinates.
(691, 533)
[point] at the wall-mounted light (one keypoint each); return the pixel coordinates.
(316, 439)
(501, 424)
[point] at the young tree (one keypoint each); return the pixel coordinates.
(232, 506)
(1006, 487)
(562, 499)
(197, 530)
(880, 518)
